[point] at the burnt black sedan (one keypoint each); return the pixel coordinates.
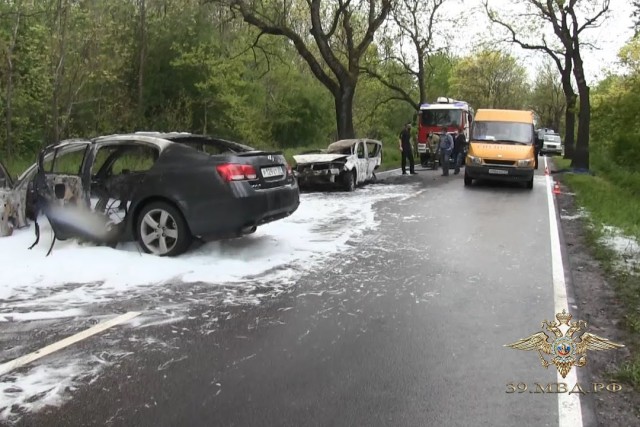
(163, 190)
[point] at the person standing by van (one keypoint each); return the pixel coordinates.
(446, 147)
(406, 150)
(458, 150)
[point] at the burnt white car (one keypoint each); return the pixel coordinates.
(347, 163)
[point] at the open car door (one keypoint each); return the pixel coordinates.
(61, 184)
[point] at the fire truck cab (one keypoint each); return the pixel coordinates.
(445, 112)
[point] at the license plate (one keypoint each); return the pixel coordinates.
(271, 172)
(498, 172)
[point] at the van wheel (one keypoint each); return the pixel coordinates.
(530, 184)
(467, 181)
(161, 230)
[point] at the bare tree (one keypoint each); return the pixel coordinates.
(331, 36)
(548, 98)
(9, 52)
(415, 21)
(141, 58)
(568, 28)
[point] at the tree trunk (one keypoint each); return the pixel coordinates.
(343, 99)
(580, 158)
(569, 126)
(9, 90)
(9, 112)
(421, 80)
(143, 13)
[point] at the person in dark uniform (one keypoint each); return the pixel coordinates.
(458, 150)
(538, 138)
(406, 150)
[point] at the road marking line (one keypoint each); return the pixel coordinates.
(569, 410)
(21, 361)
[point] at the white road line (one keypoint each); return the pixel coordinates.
(569, 410)
(21, 361)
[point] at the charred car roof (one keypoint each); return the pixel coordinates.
(160, 139)
(346, 143)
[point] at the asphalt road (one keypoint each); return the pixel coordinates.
(406, 329)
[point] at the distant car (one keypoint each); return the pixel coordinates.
(346, 163)
(162, 190)
(551, 144)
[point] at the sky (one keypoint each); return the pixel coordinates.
(614, 32)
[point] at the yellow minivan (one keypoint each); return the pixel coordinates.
(501, 147)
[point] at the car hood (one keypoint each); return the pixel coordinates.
(318, 158)
(500, 151)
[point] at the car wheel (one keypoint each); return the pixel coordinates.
(530, 184)
(349, 179)
(162, 230)
(467, 181)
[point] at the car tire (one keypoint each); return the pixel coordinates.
(171, 236)
(467, 181)
(349, 180)
(530, 184)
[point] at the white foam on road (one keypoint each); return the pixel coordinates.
(320, 227)
(50, 384)
(75, 277)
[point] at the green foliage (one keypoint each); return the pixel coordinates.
(615, 129)
(547, 98)
(490, 79)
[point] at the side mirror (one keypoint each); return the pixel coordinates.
(60, 190)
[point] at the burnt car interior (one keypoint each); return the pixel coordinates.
(373, 149)
(343, 150)
(119, 169)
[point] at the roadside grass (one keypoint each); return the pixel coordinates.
(613, 203)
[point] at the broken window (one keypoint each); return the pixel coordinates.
(118, 170)
(68, 160)
(373, 149)
(360, 150)
(213, 146)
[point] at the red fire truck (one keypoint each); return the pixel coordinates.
(445, 112)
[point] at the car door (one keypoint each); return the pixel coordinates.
(373, 158)
(60, 183)
(361, 161)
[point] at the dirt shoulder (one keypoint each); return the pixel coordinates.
(603, 311)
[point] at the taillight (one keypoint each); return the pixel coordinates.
(235, 172)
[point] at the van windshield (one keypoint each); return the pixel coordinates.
(503, 132)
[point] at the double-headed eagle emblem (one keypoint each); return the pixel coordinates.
(566, 350)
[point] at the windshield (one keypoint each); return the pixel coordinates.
(340, 149)
(444, 117)
(519, 133)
